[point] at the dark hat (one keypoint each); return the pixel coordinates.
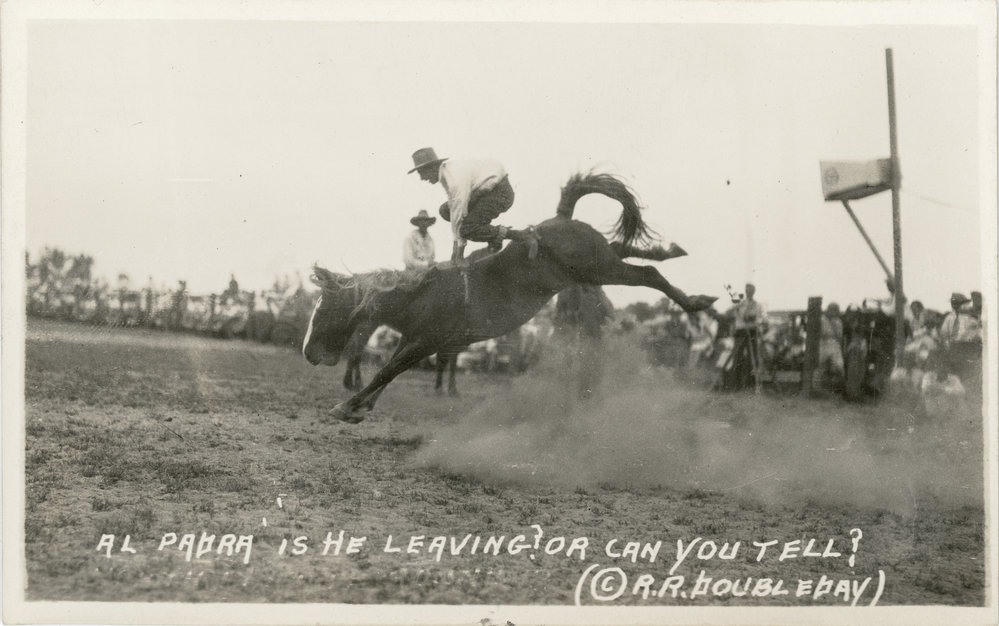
(425, 157)
(957, 299)
(422, 218)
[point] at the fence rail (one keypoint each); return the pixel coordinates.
(267, 317)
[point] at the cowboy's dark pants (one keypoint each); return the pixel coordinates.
(484, 207)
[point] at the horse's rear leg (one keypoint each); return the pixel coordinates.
(405, 357)
(655, 253)
(647, 276)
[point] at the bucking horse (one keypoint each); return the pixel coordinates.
(348, 293)
(440, 310)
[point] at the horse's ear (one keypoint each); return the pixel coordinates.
(321, 276)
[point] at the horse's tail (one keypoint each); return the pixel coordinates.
(630, 228)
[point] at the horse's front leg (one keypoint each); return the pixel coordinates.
(439, 367)
(352, 377)
(405, 357)
(452, 385)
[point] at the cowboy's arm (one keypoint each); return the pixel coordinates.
(457, 181)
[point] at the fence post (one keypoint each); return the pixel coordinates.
(813, 334)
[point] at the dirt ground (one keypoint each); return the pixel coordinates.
(217, 461)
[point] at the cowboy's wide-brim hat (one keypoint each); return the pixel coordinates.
(422, 218)
(425, 157)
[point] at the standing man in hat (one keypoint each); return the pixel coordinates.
(418, 248)
(477, 192)
(831, 369)
(959, 354)
(749, 323)
(953, 327)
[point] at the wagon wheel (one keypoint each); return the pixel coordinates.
(284, 334)
(856, 370)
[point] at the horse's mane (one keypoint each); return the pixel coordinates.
(630, 228)
(368, 285)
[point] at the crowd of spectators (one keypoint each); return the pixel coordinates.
(746, 345)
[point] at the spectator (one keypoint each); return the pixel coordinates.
(231, 294)
(954, 325)
(918, 319)
(418, 248)
(749, 320)
(179, 306)
(831, 347)
(701, 330)
(976, 304)
(978, 310)
(924, 341)
(972, 311)
(960, 334)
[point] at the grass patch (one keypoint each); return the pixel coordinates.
(137, 522)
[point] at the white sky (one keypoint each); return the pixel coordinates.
(198, 148)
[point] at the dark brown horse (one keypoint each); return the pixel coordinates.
(505, 290)
(353, 352)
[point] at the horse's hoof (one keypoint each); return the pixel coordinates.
(699, 303)
(453, 392)
(439, 391)
(675, 251)
(341, 413)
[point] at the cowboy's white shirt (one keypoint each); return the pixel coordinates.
(460, 178)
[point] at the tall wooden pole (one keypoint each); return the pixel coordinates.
(813, 335)
(896, 213)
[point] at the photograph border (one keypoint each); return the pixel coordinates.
(16, 14)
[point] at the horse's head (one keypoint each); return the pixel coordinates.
(332, 322)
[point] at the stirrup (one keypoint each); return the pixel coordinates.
(464, 279)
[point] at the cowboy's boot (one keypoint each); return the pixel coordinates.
(528, 236)
(458, 255)
(459, 261)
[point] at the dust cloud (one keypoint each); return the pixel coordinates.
(644, 428)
